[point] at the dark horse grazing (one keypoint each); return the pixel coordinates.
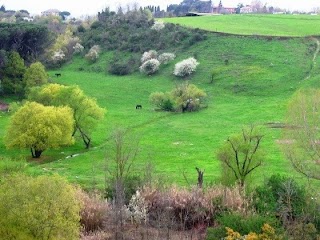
(58, 74)
(138, 106)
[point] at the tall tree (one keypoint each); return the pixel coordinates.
(12, 74)
(86, 111)
(301, 137)
(39, 127)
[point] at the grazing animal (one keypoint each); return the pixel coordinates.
(58, 74)
(138, 106)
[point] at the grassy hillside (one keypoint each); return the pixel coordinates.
(269, 25)
(253, 88)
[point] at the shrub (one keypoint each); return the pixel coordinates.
(150, 67)
(138, 209)
(38, 208)
(244, 224)
(280, 196)
(185, 97)
(185, 67)
(93, 213)
(93, 54)
(162, 101)
(165, 58)
(158, 25)
(9, 166)
(122, 67)
(152, 54)
(78, 48)
(185, 209)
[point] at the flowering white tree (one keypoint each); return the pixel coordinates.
(58, 56)
(78, 48)
(185, 67)
(93, 53)
(150, 67)
(158, 25)
(165, 58)
(138, 209)
(149, 55)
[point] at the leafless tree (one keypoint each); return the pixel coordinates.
(301, 137)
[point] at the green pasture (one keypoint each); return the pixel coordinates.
(253, 88)
(247, 24)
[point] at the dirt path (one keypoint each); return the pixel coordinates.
(315, 55)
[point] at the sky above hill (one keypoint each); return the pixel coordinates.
(81, 8)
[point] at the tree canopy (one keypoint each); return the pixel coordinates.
(40, 127)
(45, 207)
(86, 111)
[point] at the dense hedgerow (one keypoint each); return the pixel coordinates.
(132, 32)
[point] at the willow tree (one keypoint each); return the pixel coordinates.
(39, 127)
(86, 112)
(301, 137)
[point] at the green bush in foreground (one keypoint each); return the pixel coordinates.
(38, 208)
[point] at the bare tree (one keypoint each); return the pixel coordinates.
(242, 154)
(301, 137)
(120, 156)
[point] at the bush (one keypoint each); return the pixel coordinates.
(152, 54)
(280, 196)
(244, 224)
(150, 67)
(158, 25)
(93, 54)
(162, 101)
(165, 58)
(185, 67)
(78, 48)
(93, 213)
(185, 209)
(122, 67)
(38, 208)
(185, 97)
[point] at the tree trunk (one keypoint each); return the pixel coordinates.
(36, 153)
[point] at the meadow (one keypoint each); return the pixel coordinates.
(253, 88)
(247, 24)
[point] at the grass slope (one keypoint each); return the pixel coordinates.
(247, 24)
(252, 89)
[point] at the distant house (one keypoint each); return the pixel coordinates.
(51, 12)
(223, 10)
(246, 9)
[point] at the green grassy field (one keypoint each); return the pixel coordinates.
(252, 89)
(247, 24)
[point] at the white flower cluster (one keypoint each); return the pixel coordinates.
(165, 58)
(149, 55)
(150, 66)
(78, 48)
(138, 209)
(158, 25)
(58, 56)
(185, 67)
(93, 53)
